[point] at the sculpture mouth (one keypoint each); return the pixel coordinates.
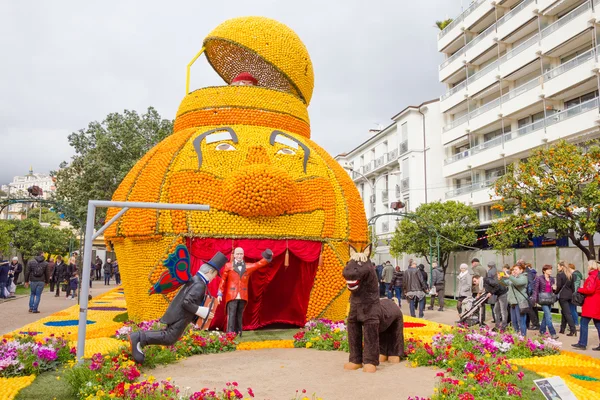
(352, 285)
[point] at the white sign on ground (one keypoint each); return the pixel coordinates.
(554, 388)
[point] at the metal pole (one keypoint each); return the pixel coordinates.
(87, 250)
(85, 287)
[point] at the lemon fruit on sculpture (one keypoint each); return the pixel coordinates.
(246, 152)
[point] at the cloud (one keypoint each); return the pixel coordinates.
(68, 63)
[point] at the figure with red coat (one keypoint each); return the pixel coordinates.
(590, 310)
(234, 286)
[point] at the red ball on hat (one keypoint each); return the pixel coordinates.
(245, 76)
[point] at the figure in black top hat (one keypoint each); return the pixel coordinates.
(185, 307)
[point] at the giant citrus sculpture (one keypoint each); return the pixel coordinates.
(245, 151)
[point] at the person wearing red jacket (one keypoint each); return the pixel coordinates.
(591, 305)
(234, 285)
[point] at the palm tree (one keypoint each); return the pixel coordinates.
(442, 24)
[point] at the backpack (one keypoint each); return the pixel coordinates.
(38, 270)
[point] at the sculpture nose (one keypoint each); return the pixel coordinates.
(259, 189)
(257, 155)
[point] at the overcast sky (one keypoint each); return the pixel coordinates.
(66, 63)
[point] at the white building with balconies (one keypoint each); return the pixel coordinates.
(519, 74)
(402, 162)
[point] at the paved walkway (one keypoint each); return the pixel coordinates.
(14, 312)
(449, 316)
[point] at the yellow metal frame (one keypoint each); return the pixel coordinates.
(187, 75)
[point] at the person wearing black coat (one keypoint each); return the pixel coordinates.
(58, 276)
(565, 289)
(396, 285)
(184, 309)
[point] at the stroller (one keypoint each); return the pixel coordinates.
(471, 306)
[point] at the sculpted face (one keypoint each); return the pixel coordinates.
(248, 171)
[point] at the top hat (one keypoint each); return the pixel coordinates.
(217, 262)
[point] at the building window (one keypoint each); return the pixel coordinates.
(581, 99)
(406, 201)
(404, 136)
(405, 168)
(494, 173)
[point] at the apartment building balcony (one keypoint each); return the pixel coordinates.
(453, 96)
(480, 43)
(379, 164)
(516, 18)
(570, 73)
(468, 17)
(557, 33)
(452, 64)
(566, 27)
(476, 193)
(521, 97)
(568, 123)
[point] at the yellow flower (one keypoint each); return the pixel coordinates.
(308, 345)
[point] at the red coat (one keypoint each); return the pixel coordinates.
(234, 282)
(591, 289)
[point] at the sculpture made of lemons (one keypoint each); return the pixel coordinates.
(245, 151)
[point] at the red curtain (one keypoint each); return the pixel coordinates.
(276, 294)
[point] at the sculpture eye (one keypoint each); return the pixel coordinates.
(224, 147)
(286, 151)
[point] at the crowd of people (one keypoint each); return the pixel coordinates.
(517, 294)
(57, 273)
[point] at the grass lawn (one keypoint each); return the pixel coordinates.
(271, 334)
(47, 387)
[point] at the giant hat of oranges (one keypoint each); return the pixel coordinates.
(246, 152)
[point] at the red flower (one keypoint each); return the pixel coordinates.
(250, 392)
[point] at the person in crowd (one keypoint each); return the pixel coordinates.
(17, 268)
(36, 277)
(51, 266)
(379, 270)
(565, 290)
(116, 273)
(396, 286)
(465, 287)
(4, 268)
(388, 275)
(533, 320)
(415, 289)
(58, 275)
(98, 268)
(423, 273)
(506, 272)
(70, 270)
(590, 311)
(494, 288)
(480, 270)
(577, 280)
(107, 271)
(492, 273)
(517, 294)
(545, 284)
(438, 281)
(74, 284)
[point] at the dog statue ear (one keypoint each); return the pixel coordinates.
(367, 250)
(352, 251)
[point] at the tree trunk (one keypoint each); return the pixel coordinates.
(581, 247)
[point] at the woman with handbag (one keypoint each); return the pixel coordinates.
(565, 289)
(543, 294)
(517, 298)
(590, 310)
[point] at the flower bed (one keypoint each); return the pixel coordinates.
(28, 355)
(477, 363)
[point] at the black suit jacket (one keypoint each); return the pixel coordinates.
(186, 303)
